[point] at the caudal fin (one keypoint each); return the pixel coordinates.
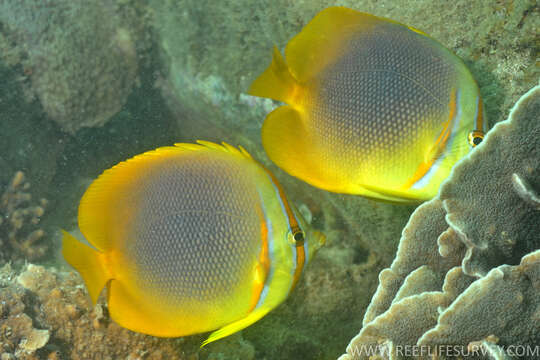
(88, 262)
(276, 82)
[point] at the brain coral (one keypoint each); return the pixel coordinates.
(466, 275)
(79, 56)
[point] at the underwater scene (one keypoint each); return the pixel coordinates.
(269, 179)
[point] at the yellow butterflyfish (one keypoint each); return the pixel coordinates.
(188, 239)
(375, 108)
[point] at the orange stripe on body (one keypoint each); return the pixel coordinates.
(263, 266)
(480, 116)
(290, 215)
(438, 148)
(300, 260)
(293, 223)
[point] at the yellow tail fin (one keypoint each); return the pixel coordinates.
(88, 262)
(276, 82)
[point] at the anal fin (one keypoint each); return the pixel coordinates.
(237, 325)
(390, 195)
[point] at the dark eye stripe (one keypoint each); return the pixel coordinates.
(294, 228)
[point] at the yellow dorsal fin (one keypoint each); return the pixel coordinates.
(201, 144)
(276, 82)
(324, 39)
(321, 42)
(100, 209)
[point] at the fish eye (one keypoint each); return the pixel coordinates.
(297, 237)
(475, 138)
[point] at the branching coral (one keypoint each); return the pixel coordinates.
(20, 235)
(467, 271)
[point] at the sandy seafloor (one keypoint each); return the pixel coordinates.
(87, 84)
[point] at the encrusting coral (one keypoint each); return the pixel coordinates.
(467, 271)
(20, 234)
(18, 337)
(512, 318)
(491, 199)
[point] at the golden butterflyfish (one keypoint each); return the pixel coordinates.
(188, 239)
(374, 107)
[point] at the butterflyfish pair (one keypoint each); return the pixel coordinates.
(188, 239)
(374, 107)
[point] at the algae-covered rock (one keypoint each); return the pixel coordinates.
(27, 141)
(488, 303)
(80, 57)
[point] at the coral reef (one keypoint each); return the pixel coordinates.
(47, 314)
(21, 238)
(80, 58)
(469, 255)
